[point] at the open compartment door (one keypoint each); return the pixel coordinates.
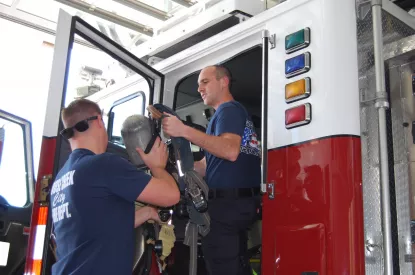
(55, 150)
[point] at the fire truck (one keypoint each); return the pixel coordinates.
(330, 87)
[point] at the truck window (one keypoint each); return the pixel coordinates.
(13, 173)
(121, 109)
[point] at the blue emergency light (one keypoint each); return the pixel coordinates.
(297, 65)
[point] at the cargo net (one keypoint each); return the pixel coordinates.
(395, 33)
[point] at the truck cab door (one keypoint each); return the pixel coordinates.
(16, 190)
(70, 29)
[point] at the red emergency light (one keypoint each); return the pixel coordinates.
(298, 116)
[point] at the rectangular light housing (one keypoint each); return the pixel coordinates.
(297, 65)
(297, 41)
(298, 116)
(298, 90)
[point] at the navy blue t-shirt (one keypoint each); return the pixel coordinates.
(231, 117)
(92, 201)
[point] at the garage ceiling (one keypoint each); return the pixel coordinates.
(128, 22)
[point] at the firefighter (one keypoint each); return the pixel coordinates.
(232, 170)
(93, 197)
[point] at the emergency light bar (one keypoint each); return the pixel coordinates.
(298, 116)
(298, 90)
(297, 41)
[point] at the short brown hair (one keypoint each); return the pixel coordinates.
(222, 71)
(78, 110)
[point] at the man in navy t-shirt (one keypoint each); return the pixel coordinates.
(92, 198)
(232, 170)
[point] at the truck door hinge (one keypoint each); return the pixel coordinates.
(272, 41)
(268, 188)
(44, 189)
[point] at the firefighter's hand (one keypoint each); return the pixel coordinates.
(173, 126)
(153, 214)
(145, 213)
(157, 157)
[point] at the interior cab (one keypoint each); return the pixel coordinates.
(246, 73)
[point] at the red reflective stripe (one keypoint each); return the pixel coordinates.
(39, 214)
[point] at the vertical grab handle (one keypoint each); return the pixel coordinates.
(264, 113)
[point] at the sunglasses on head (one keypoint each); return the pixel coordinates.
(80, 126)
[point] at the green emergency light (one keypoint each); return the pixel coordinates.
(298, 40)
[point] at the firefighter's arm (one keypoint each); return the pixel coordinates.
(200, 167)
(162, 189)
(226, 146)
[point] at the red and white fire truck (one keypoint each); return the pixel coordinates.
(330, 87)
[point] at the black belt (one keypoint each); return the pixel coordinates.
(233, 193)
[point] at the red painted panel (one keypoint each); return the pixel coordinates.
(47, 157)
(310, 243)
(316, 183)
(46, 162)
